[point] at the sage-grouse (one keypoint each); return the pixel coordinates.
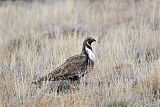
(73, 68)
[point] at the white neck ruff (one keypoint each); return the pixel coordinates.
(91, 55)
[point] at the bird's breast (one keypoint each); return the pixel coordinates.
(91, 54)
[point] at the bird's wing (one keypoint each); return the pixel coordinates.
(71, 66)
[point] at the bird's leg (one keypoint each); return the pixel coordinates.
(92, 64)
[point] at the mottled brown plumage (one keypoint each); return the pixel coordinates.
(73, 68)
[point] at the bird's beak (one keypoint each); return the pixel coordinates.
(94, 40)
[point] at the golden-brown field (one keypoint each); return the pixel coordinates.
(36, 37)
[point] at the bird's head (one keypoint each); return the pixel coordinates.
(87, 43)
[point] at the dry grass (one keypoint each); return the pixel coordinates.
(36, 37)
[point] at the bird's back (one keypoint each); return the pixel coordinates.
(73, 68)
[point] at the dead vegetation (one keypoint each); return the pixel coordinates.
(36, 37)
